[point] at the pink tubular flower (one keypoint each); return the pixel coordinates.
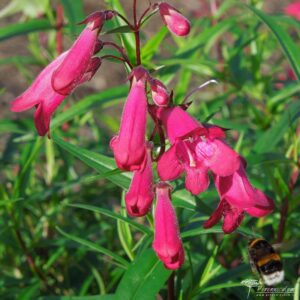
(159, 93)
(293, 10)
(167, 243)
(129, 145)
(174, 20)
(79, 62)
(140, 195)
(41, 95)
(237, 196)
(49, 89)
(195, 150)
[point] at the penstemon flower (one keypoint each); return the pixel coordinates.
(129, 145)
(79, 66)
(62, 76)
(195, 150)
(167, 243)
(237, 196)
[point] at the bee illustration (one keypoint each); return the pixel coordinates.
(265, 260)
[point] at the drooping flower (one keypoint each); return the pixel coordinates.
(43, 95)
(167, 243)
(293, 10)
(129, 145)
(237, 197)
(74, 67)
(194, 149)
(140, 195)
(175, 21)
(159, 93)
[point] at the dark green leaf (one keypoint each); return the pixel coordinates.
(290, 49)
(144, 278)
(16, 29)
(97, 161)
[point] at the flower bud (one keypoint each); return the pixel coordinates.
(175, 21)
(159, 93)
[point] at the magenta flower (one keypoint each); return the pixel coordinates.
(129, 145)
(237, 196)
(140, 194)
(60, 78)
(79, 63)
(175, 21)
(159, 93)
(195, 150)
(167, 243)
(41, 95)
(293, 10)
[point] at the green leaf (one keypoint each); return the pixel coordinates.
(144, 278)
(153, 44)
(113, 215)
(75, 14)
(286, 93)
(97, 161)
(88, 103)
(11, 127)
(216, 229)
(290, 49)
(95, 247)
(98, 297)
(269, 139)
(16, 29)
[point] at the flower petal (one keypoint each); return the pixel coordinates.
(140, 195)
(217, 156)
(196, 180)
(264, 206)
(39, 89)
(232, 219)
(216, 216)
(44, 111)
(168, 166)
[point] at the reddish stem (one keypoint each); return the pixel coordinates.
(118, 58)
(137, 35)
(120, 50)
(59, 28)
(143, 15)
(124, 19)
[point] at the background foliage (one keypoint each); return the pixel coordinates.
(64, 233)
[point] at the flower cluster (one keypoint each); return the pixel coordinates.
(196, 150)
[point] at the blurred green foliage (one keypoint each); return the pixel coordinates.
(64, 230)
